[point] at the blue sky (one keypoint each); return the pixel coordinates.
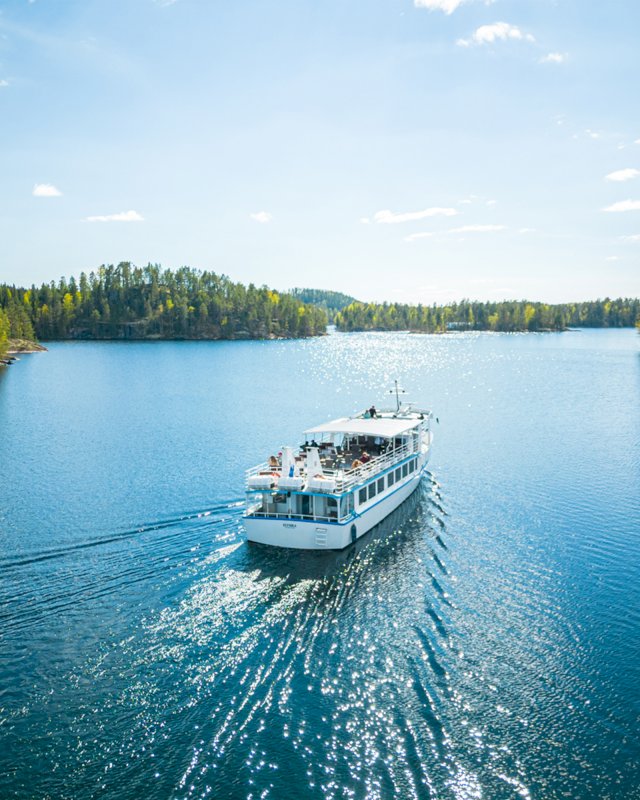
(409, 150)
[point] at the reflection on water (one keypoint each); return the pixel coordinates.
(473, 645)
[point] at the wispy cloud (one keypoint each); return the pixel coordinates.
(477, 229)
(414, 236)
(123, 216)
(390, 217)
(461, 229)
(3, 83)
(526, 230)
(635, 237)
(623, 174)
(554, 58)
(498, 31)
(612, 258)
(46, 190)
(593, 134)
(474, 198)
(262, 216)
(624, 205)
(365, 220)
(448, 6)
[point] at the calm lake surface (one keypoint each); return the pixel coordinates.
(483, 642)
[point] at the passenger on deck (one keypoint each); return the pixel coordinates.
(273, 462)
(372, 412)
(365, 457)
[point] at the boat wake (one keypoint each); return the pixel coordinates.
(259, 672)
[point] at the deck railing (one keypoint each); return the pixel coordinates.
(346, 477)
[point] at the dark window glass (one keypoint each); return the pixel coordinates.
(405, 470)
(362, 496)
(380, 484)
(372, 490)
(390, 479)
(398, 474)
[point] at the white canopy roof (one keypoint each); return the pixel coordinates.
(386, 427)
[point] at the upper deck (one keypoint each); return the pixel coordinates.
(340, 455)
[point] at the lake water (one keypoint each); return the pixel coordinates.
(483, 642)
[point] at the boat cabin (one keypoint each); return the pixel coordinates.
(342, 468)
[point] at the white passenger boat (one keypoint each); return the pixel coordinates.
(347, 477)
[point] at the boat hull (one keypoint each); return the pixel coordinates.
(315, 535)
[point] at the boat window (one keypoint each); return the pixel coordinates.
(362, 496)
(405, 470)
(391, 479)
(380, 484)
(372, 490)
(398, 474)
(415, 463)
(346, 505)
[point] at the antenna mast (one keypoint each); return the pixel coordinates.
(397, 391)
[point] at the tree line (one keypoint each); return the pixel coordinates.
(128, 302)
(518, 315)
(328, 301)
(5, 329)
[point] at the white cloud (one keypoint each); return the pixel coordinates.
(262, 216)
(3, 83)
(623, 174)
(592, 134)
(612, 258)
(554, 58)
(46, 190)
(637, 141)
(635, 237)
(624, 205)
(365, 220)
(448, 6)
(123, 216)
(477, 229)
(527, 230)
(415, 236)
(390, 217)
(488, 34)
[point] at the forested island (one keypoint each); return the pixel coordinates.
(330, 302)
(507, 316)
(127, 302)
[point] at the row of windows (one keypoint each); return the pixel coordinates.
(375, 487)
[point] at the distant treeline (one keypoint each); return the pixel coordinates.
(329, 302)
(127, 302)
(503, 316)
(5, 330)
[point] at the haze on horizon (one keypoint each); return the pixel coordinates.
(401, 150)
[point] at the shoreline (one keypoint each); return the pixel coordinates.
(18, 346)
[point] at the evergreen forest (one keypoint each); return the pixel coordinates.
(127, 302)
(330, 302)
(507, 316)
